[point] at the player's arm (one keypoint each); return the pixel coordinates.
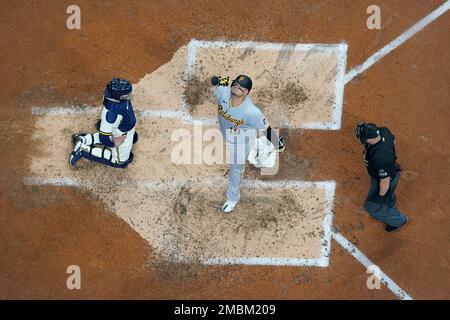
(384, 186)
(109, 121)
(217, 84)
(385, 171)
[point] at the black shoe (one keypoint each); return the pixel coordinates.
(75, 137)
(131, 158)
(393, 229)
(281, 146)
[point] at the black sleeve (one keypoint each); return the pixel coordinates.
(273, 137)
(389, 133)
(385, 170)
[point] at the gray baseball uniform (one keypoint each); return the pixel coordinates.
(239, 126)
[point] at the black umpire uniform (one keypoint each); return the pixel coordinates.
(380, 159)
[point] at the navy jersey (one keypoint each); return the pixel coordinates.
(118, 114)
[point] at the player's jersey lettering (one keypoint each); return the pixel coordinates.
(228, 117)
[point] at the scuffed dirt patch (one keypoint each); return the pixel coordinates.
(293, 94)
(267, 222)
(194, 94)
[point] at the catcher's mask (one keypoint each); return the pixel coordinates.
(119, 88)
(366, 131)
(244, 81)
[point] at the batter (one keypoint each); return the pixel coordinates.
(240, 121)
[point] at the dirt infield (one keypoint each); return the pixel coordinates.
(121, 246)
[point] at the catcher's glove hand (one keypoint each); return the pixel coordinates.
(281, 145)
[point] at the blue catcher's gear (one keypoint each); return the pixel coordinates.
(119, 89)
(116, 114)
(117, 120)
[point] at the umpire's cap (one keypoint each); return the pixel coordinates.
(244, 81)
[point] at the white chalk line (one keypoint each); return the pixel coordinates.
(56, 111)
(355, 252)
(320, 262)
(328, 186)
(206, 44)
(397, 41)
(338, 104)
(36, 181)
(161, 113)
(325, 250)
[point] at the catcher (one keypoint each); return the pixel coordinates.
(112, 144)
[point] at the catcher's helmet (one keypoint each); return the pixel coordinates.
(366, 131)
(244, 81)
(119, 88)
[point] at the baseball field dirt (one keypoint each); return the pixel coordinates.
(154, 230)
(174, 206)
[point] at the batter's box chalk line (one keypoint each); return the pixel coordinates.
(339, 49)
(328, 186)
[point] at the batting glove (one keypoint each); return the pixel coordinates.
(224, 81)
(281, 146)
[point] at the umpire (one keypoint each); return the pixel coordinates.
(380, 159)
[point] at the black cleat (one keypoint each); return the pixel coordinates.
(281, 146)
(75, 137)
(389, 228)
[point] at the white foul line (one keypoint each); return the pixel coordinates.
(397, 42)
(388, 282)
